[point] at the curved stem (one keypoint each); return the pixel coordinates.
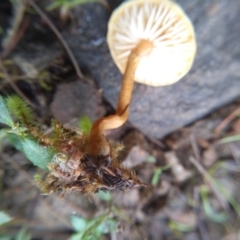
(125, 94)
(97, 143)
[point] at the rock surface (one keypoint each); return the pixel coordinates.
(75, 100)
(213, 81)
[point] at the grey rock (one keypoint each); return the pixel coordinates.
(213, 81)
(75, 100)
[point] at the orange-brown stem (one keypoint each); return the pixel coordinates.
(125, 94)
(97, 143)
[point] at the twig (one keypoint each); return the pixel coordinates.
(227, 120)
(195, 147)
(14, 79)
(58, 34)
(14, 86)
(221, 194)
(16, 39)
(209, 179)
(159, 144)
(196, 162)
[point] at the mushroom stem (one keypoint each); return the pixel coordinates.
(143, 48)
(97, 142)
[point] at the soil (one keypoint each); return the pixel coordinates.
(171, 207)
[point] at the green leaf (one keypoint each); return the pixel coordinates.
(5, 116)
(5, 237)
(151, 159)
(225, 193)
(79, 224)
(157, 174)
(85, 124)
(3, 137)
(179, 226)
(38, 155)
(3, 133)
(105, 196)
(92, 228)
(4, 218)
(218, 217)
(74, 3)
(54, 5)
(15, 141)
(230, 139)
(23, 234)
(209, 211)
(107, 226)
(76, 236)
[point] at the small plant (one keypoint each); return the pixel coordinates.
(21, 133)
(224, 192)
(85, 124)
(208, 209)
(105, 196)
(179, 228)
(5, 219)
(87, 229)
(230, 139)
(68, 154)
(151, 159)
(157, 173)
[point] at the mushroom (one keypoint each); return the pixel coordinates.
(151, 42)
(159, 33)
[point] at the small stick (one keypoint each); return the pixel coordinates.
(195, 147)
(58, 34)
(209, 179)
(196, 162)
(14, 79)
(227, 120)
(16, 39)
(157, 142)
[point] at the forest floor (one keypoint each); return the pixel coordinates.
(192, 175)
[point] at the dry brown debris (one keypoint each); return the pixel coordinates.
(72, 168)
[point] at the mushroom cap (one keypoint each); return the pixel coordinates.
(161, 22)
